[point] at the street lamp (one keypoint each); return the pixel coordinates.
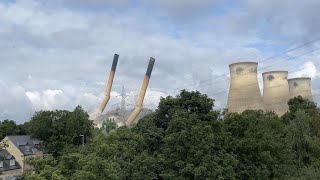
(82, 139)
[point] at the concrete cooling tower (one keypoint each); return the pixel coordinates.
(276, 91)
(300, 87)
(244, 92)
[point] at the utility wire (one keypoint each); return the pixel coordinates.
(217, 82)
(264, 60)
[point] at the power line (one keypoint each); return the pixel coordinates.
(266, 59)
(263, 60)
(216, 82)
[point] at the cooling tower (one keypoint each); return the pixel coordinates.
(244, 92)
(142, 94)
(276, 91)
(109, 84)
(300, 87)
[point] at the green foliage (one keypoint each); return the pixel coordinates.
(39, 163)
(191, 102)
(299, 102)
(9, 127)
(258, 140)
(194, 149)
(59, 128)
(109, 125)
(83, 175)
(184, 139)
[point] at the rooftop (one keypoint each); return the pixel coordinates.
(5, 157)
(243, 63)
(26, 144)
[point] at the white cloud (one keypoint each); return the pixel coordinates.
(45, 100)
(180, 8)
(13, 102)
(97, 3)
(31, 15)
(152, 98)
(60, 55)
(308, 69)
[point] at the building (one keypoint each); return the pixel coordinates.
(276, 91)
(22, 147)
(9, 167)
(244, 91)
(300, 87)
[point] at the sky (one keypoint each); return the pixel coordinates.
(57, 54)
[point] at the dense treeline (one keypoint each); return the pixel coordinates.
(183, 139)
(9, 127)
(57, 129)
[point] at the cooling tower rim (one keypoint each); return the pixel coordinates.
(300, 78)
(275, 72)
(240, 63)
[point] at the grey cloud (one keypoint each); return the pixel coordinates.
(14, 104)
(75, 58)
(95, 4)
(72, 38)
(180, 9)
(281, 18)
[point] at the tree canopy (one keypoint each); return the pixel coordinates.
(185, 138)
(59, 129)
(9, 127)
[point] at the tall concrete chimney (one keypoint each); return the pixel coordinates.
(300, 87)
(142, 94)
(109, 84)
(244, 92)
(276, 91)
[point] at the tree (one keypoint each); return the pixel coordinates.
(184, 139)
(83, 175)
(192, 102)
(299, 103)
(194, 149)
(109, 125)
(303, 132)
(59, 128)
(73, 166)
(259, 143)
(121, 146)
(9, 127)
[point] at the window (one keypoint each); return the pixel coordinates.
(1, 164)
(12, 162)
(13, 177)
(27, 148)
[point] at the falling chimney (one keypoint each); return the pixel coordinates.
(300, 87)
(276, 91)
(143, 90)
(109, 84)
(244, 92)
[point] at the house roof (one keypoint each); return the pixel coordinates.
(6, 161)
(26, 144)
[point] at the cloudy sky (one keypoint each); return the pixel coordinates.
(57, 54)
